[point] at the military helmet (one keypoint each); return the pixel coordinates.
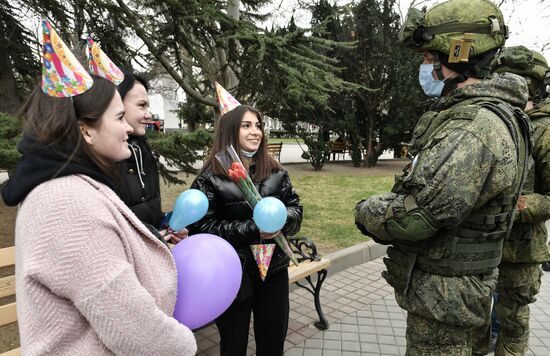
(527, 63)
(458, 28)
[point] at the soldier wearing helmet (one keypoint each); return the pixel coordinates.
(525, 249)
(461, 39)
(446, 219)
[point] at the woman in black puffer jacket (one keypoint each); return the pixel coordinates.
(230, 217)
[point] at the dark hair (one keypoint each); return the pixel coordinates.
(130, 79)
(54, 121)
(227, 133)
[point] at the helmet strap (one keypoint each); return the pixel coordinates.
(449, 84)
(462, 77)
(437, 65)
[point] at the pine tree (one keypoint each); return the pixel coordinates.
(381, 110)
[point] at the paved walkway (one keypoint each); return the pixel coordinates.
(364, 319)
(292, 153)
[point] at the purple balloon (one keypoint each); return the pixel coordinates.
(209, 277)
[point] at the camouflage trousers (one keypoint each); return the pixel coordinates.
(443, 312)
(428, 337)
(518, 283)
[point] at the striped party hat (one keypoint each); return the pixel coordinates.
(100, 64)
(227, 101)
(62, 74)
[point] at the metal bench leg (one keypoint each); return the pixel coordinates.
(322, 324)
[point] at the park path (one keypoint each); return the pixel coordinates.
(364, 318)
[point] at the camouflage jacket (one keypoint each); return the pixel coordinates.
(527, 243)
(466, 159)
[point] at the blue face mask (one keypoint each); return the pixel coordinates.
(431, 86)
(248, 154)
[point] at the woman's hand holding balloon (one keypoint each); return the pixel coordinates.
(270, 216)
(174, 237)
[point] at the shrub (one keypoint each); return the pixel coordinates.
(179, 151)
(10, 133)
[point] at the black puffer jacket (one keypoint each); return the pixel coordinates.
(138, 182)
(230, 217)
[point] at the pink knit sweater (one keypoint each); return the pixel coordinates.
(90, 278)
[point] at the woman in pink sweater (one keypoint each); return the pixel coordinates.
(91, 278)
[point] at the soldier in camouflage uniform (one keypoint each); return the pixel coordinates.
(446, 218)
(525, 249)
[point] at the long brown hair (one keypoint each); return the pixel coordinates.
(227, 133)
(54, 122)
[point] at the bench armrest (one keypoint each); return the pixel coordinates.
(304, 248)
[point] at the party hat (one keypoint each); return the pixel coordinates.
(227, 101)
(102, 65)
(62, 73)
(262, 254)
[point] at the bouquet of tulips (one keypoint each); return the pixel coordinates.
(236, 172)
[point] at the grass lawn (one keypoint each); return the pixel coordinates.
(328, 202)
(328, 196)
(284, 140)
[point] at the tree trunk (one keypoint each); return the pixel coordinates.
(77, 44)
(231, 81)
(9, 100)
(369, 159)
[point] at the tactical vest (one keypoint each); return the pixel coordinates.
(474, 247)
(525, 231)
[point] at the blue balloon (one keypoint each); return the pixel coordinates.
(190, 207)
(270, 214)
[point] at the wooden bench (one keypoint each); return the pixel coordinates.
(309, 264)
(337, 149)
(274, 150)
(8, 313)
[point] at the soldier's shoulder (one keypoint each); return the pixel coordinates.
(541, 134)
(484, 124)
(475, 118)
(493, 131)
(541, 128)
(543, 121)
(488, 118)
(461, 113)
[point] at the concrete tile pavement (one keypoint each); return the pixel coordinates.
(379, 328)
(341, 296)
(364, 318)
